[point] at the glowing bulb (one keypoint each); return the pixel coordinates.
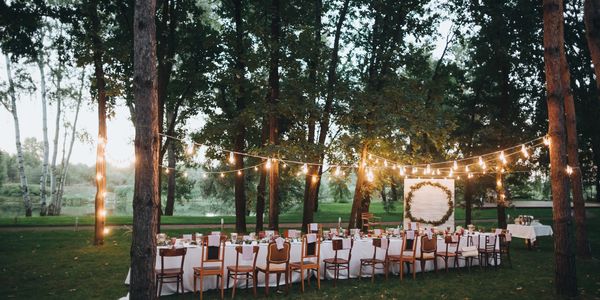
(102, 213)
(370, 175)
(184, 174)
(268, 164)
(402, 171)
(370, 156)
(455, 165)
(167, 171)
(428, 169)
(104, 194)
(385, 163)
(546, 140)
(239, 172)
(98, 176)
(222, 175)
(376, 160)
(466, 169)
(256, 168)
(569, 170)
(204, 175)
(415, 170)
(106, 231)
(481, 163)
(231, 158)
(304, 169)
(524, 151)
(437, 171)
(190, 149)
(394, 167)
(314, 179)
(451, 173)
(502, 157)
(284, 165)
(470, 175)
(338, 171)
(499, 183)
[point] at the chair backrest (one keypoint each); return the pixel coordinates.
(366, 216)
(171, 252)
(383, 246)
(452, 241)
(240, 249)
(278, 256)
(311, 250)
(338, 245)
(490, 242)
(428, 245)
(409, 245)
(213, 254)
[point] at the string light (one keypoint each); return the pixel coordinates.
(437, 171)
(185, 174)
(385, 163)
(415, 170)
(470, 176)
(204, 175)
(337, 171)
(305, 169)
(98, 176)
(481, 163)
(455, 165)
(222, 175)
(524, 151)
(231, 158)
(467, 169)
(503, 158)
(268, 164)
(569, 170)
(190, 149)
(239, 172)
(370, 175)
(106, 231)
(451, 173)
(499, 183)
(167, 171)
(256, 169)
(315, 179)
(428, 169)
(546, 140)
(102, 213)
(402, 171)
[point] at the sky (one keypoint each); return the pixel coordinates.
(120, 131)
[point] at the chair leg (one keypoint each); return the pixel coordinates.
(435, 263)
(302, 278)
(267, 283)
(401, 270)
(373, 273)
(318, 278)
(201, 288)
(360, 271)
(223, 286)
(254, 275)
(234, 284)
(414, 269)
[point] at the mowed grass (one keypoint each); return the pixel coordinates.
(328, 213)
(65, 265)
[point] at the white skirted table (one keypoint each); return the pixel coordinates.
(363, 248)
(529, 232)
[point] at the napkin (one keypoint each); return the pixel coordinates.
(213, 240)
(377, 231)
(508, 236)
(187, 237)
(216, 233)
(413, 225)
(346, 244)
(311, 238)
(247, 252)
(384, 243)
(498, 231)
(269, 232)
(247, 238)
(410, 235)
(279, 241)
(395, 231)
(429, 234)
(314, 226)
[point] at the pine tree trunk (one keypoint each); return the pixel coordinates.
(591, 16)
(468, 202)
(44, 177)
(240, 133)
(147, 147)
(63, 176)
(273, 100)
(20, 160)
(171, 163)
(355, 221)
(53, 170)
(583, 246)
(565, 277)
(97, 53)
(501, 199)
(262, 184)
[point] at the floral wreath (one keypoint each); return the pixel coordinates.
(409, 199)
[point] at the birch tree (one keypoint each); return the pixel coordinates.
(43, 93)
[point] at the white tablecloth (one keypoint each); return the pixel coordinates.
(362, 249)
(530, 232)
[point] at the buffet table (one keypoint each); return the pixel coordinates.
(363, 248)
(530, 232)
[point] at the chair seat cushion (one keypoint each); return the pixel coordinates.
(241, 269)
(336, 261)
(167, 272)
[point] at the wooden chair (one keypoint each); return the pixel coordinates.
(449, 253)
(369, 221)
(408, 255)
(275, 259)
(214, 256)
(428, 251)
(489, 251)
(505, 239)
(170, 273)
(309, 260)
(374, 261)
(470, 242)
(244, 271)
(336, 264)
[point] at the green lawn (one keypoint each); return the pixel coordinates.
(328, 212)
(64, 264)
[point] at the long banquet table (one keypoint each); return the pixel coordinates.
(363, 248)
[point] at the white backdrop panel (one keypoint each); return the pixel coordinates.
(429, 202)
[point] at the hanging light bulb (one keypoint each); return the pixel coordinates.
(470, 175)
(256, 168)
(370, 175)
(338, 171)
(305, 169)
(394, 167)
(370, 156)
(315, 178)
(204, 175)
(455, 165)
(239, 172)
(284, 165)
(99, 176)
(102, 213)
(190, 149)
(467, 169)
(569, 170)
(402, 171)
(451, 173)
(268, 164)
(524, 151)
(385, 163)
(503, 158)
(222, 175)
(106, 231)
(167, 171)
(185, 174)
(499, 182)
(428, 169)
(415, 170)
(231, 158)
(546, 140)
(481, 163)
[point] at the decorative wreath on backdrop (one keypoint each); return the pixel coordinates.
(409, 199)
